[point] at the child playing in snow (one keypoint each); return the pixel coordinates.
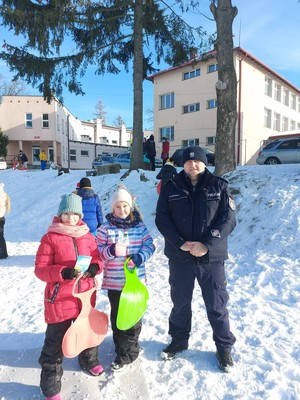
(123, 235)
(4, 209)
(167, 173)
(67, 238)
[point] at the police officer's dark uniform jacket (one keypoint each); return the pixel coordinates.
(202, 213)
(211, 221)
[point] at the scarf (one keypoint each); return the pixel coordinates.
(124, 223)
(73, 231)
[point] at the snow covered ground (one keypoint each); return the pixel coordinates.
(263, 282)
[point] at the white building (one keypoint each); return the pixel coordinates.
(32, 125)
(185, 104)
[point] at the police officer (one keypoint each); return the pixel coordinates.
(195, 214)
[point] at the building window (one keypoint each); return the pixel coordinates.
(168, 132)
(285, 99)
(191, 108)
(298, 104)
(277, 92)
(210, 140)
(28, 120)
(190, 142)
(73, 155)
(268, 86)
(276, 122)
(45, 120)
(285, 124)
(212, 103)
(293, 101)
(212, 68)
(191, 74)
(63, 126)
(84, 153)
(167, 101)
(57, 122)
(292, 125)
(267, 118)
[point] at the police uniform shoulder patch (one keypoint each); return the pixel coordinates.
(215, 233)
(231, 203)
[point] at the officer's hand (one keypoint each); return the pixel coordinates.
(198, 249)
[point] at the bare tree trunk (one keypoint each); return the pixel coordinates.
(137, 135)
(226, 88)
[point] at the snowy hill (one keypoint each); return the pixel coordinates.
(263, 274)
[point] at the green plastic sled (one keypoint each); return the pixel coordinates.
(133, 300)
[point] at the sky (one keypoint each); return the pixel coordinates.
(263, 274)
(268, 29)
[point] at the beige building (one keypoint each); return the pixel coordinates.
(32, 125)
(185, 104)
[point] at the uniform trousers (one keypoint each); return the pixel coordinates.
(212, 281)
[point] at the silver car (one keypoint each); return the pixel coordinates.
(280, 151)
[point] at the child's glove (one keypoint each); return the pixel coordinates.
(136, 259)
(118, 249)
(91, 272)
(69, 273)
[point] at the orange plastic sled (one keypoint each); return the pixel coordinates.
(88, 330)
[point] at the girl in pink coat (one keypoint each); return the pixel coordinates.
(67, 238)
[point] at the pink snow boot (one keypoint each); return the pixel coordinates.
(55, 397)
(98, 370)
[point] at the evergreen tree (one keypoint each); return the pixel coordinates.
(108, 34)
(3, 144)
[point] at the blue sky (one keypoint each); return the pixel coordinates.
(267, 29)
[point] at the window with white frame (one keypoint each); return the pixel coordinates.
(277, 92)
(57, 122)
(293, 101)
(298, 104)
(212, 68)
(285, 124)
(210, 140)
(84, 153)
(167, 101)
(191, 74)
(268, 86)
(212, 103)
(73, 155)
(292, 125)
(285, 97)
(267, 118)
(276, 122)
(168, 132)
(191, 108)
(63, 126)
(45, 120)
(28, 120)
(190, 142)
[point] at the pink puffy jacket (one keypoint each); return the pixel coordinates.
(55, 253)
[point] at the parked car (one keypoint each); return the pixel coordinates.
(280, 151)
(123, 159)
(100, 160)
(177, 155)
(3, 164)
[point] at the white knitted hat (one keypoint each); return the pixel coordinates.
(121, 194)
